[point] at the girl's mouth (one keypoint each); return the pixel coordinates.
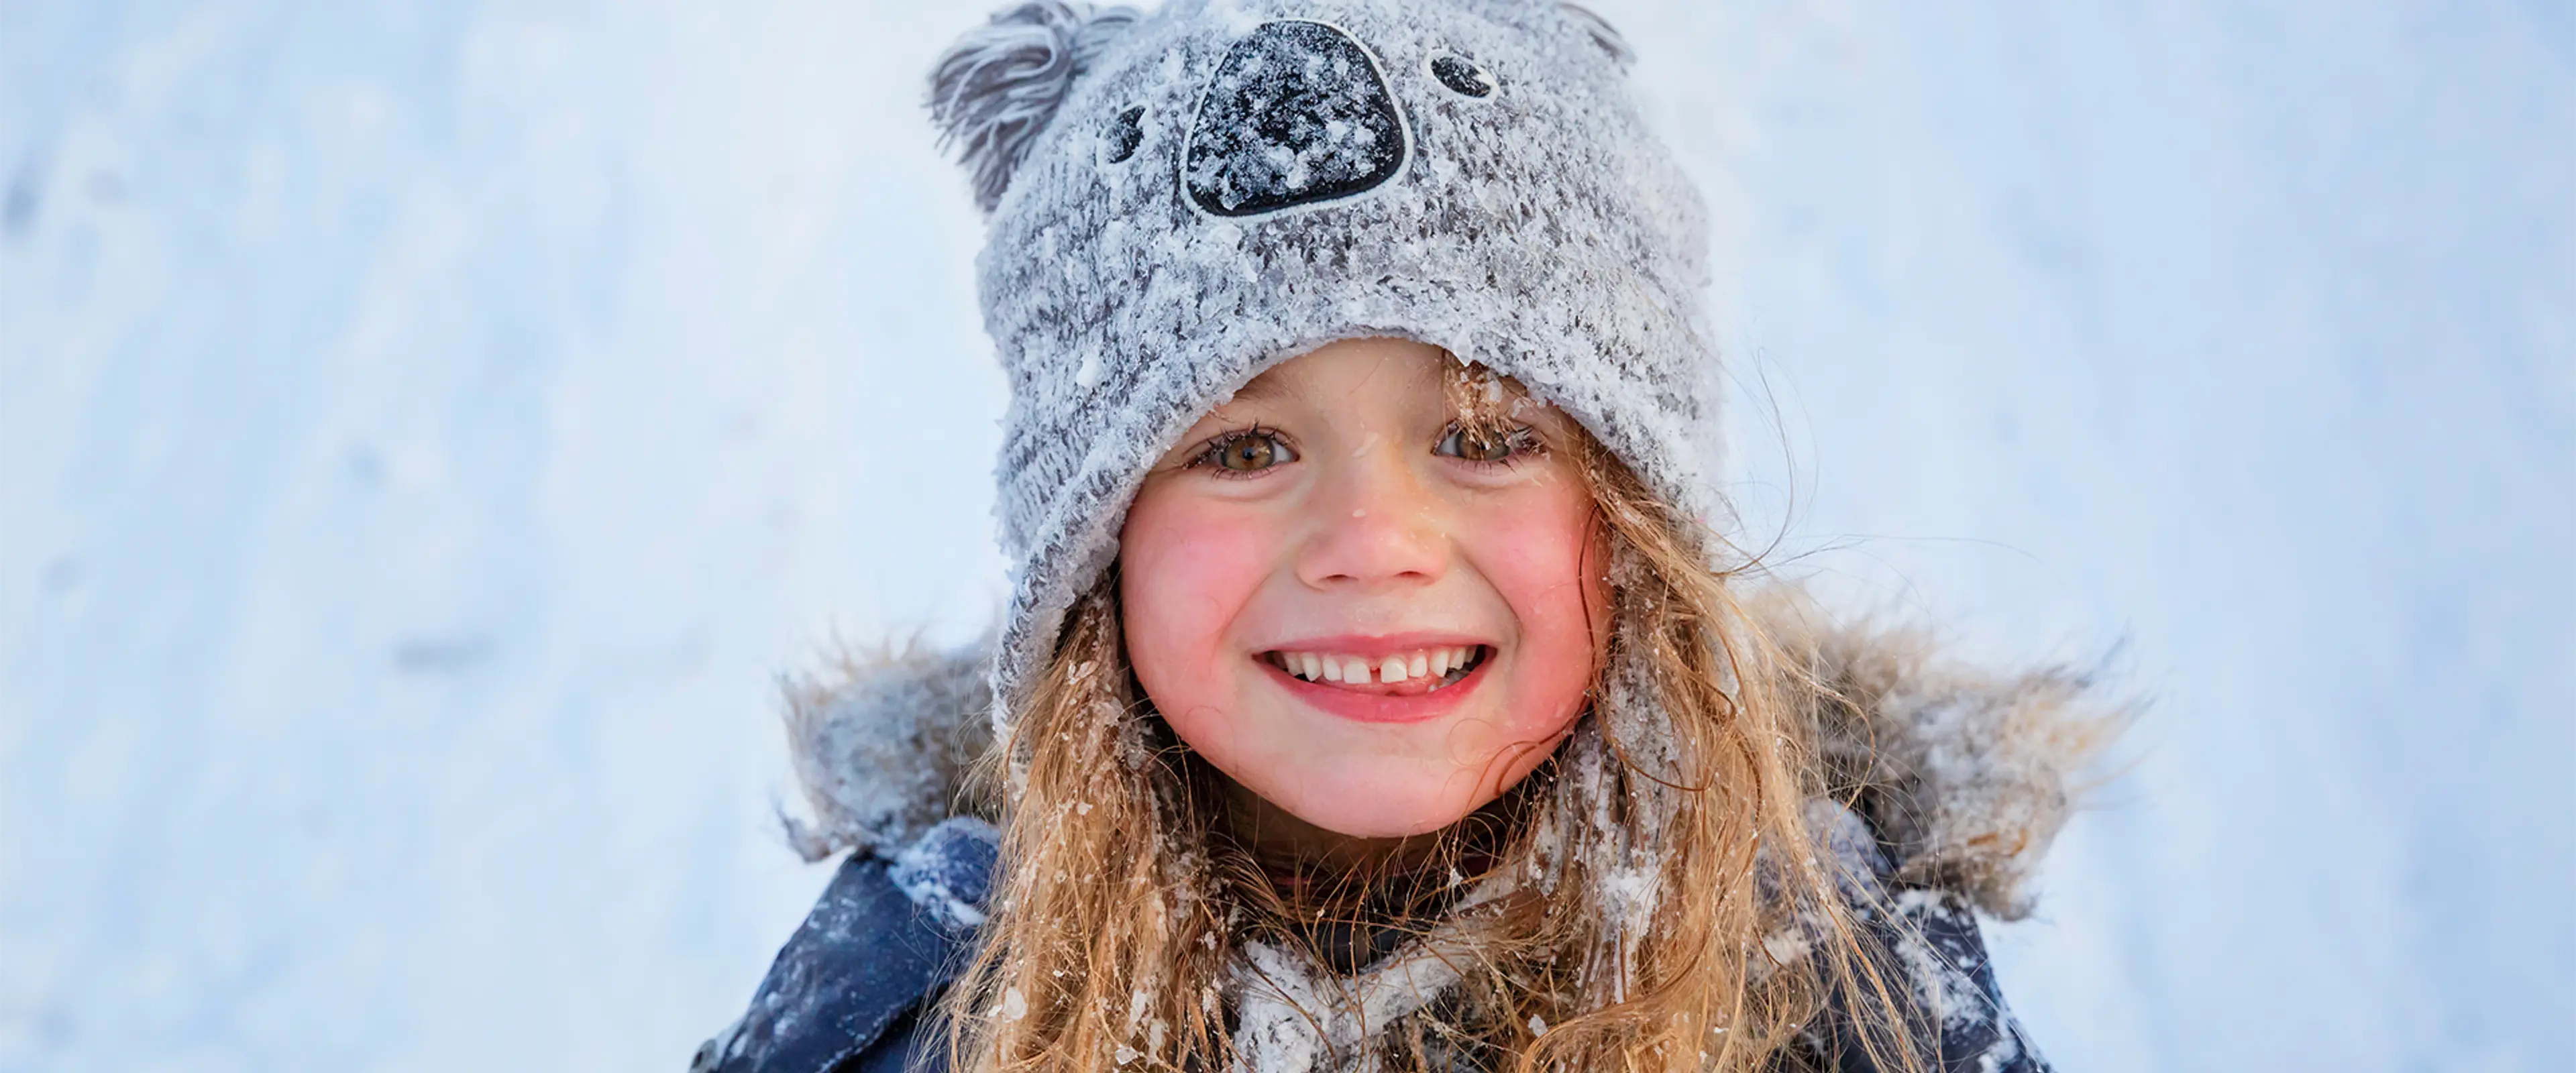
(1419, 672)
(1383, 687)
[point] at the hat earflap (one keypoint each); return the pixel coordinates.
(998, 86)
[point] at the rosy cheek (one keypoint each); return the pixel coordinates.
(1541, 555)
(1187, 569)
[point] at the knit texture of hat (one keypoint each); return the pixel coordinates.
(1180, 200)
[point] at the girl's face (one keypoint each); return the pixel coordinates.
(1372, 620)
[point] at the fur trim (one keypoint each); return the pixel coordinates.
(1963, 777)
(882, 744)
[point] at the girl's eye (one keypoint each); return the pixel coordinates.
(1249, 452)
(1484, 444)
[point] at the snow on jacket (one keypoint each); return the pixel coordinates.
(1962, 779)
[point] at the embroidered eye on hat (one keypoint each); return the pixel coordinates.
(1179, 200)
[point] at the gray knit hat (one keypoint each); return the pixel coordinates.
(1180, 200)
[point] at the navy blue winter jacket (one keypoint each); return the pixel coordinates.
(847, 993)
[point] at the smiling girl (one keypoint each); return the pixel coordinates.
(1376, 691)
(1371, 616)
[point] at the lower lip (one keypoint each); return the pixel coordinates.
(1376, 707)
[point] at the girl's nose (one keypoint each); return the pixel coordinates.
(1374, 525)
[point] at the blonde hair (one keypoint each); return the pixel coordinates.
(1661, 905)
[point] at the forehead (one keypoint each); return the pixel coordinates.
(1383, 366)
(1374, 373)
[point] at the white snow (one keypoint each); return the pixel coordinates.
(2239, 338)
(425, 434)
(425, 431)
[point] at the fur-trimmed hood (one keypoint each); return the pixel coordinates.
(1964, 776)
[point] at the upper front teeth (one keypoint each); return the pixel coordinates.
(1358, 670)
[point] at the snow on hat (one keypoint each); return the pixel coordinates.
(1180, 200)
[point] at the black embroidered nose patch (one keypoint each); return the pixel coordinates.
(1296, 114)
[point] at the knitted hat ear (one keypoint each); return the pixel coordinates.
(1603, 34)
(996, 88)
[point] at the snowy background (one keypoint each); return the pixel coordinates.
(427, 430)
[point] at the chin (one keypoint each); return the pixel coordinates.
(1367, 809)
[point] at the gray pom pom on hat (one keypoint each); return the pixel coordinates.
(1179, 200)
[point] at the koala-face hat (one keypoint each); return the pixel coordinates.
(1180, 200)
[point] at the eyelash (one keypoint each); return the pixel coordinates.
(1523, 440)
(1208, 455)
